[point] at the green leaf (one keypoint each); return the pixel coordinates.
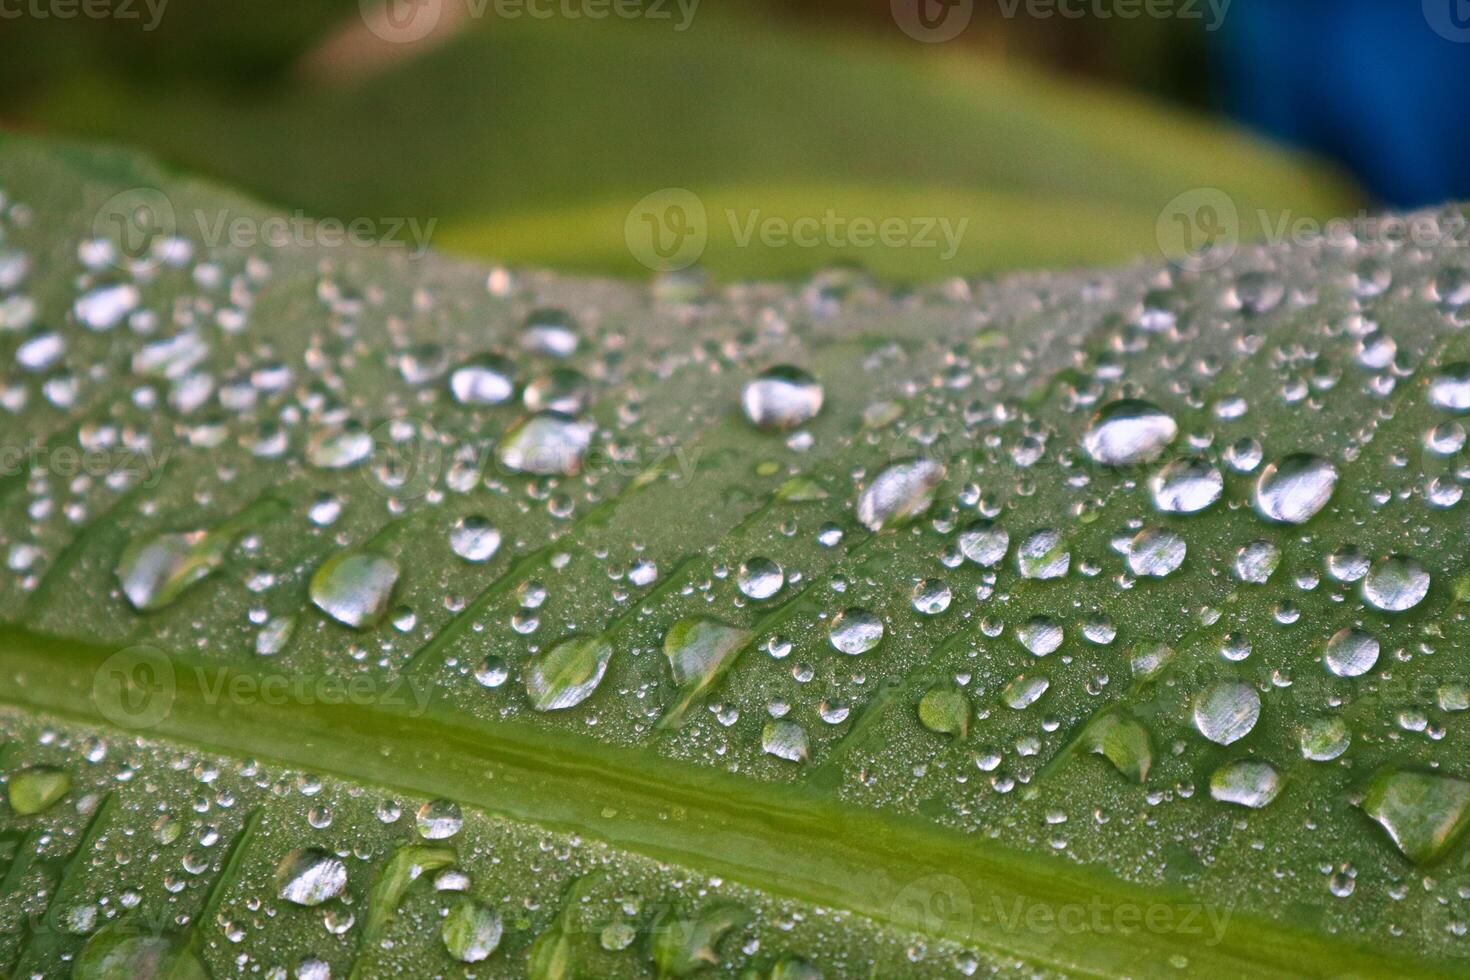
(1011, 524)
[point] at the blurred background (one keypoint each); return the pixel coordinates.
(1052, 132)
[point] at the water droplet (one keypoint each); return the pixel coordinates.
(1424, 813)
(1351, 652)
(1450, 388)
(568, 673)
(1123, 741)
(36, 789)
(984, 543)
(474, 538)
(1245, 782)
(760, 578)
(1324, 739)
(945, 710)
(311, 876)
(546, 444)
(155, 570)
(931, 596)
(855, 630)
(354, 587)
(1186, 486)
(486, 380)
(902, 492)
(1043, 555)
(699, 652)
(1156, 552)
(1395, 584)
(563, 390)
(340, 448)
(1040, 635)
(1293, 490)
(550, 331)
(1226, 711)
(1023, 691)
(492, 672)
(438, 820)
(781, 398)
(1129, 432)
(471, 932)
(785, 739)
(105, 306)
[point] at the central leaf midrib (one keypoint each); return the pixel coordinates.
(783, 839)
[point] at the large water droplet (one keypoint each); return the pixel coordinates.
(547, 444)
(1156, 552)
(36, 789)
(1129, 432)
(785, 739)
(311, 876)
(855, 630)
(487, 380)
(474, 539)
(155, 570)
(781, 398)
(568, 673)
(1324, 739)
(1351, 652)
(1186, 486)
(471, 932)
(1450, 388)
(1424, 813)
(1296, 488)
(1043, 555)
(760, 578)
(1395, 584)
(353, 587)
(699, 652)
(1246, 782)
(984, 543)
(902, 492)
(1226, 711)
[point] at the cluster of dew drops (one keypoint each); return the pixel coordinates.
(554, 433)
